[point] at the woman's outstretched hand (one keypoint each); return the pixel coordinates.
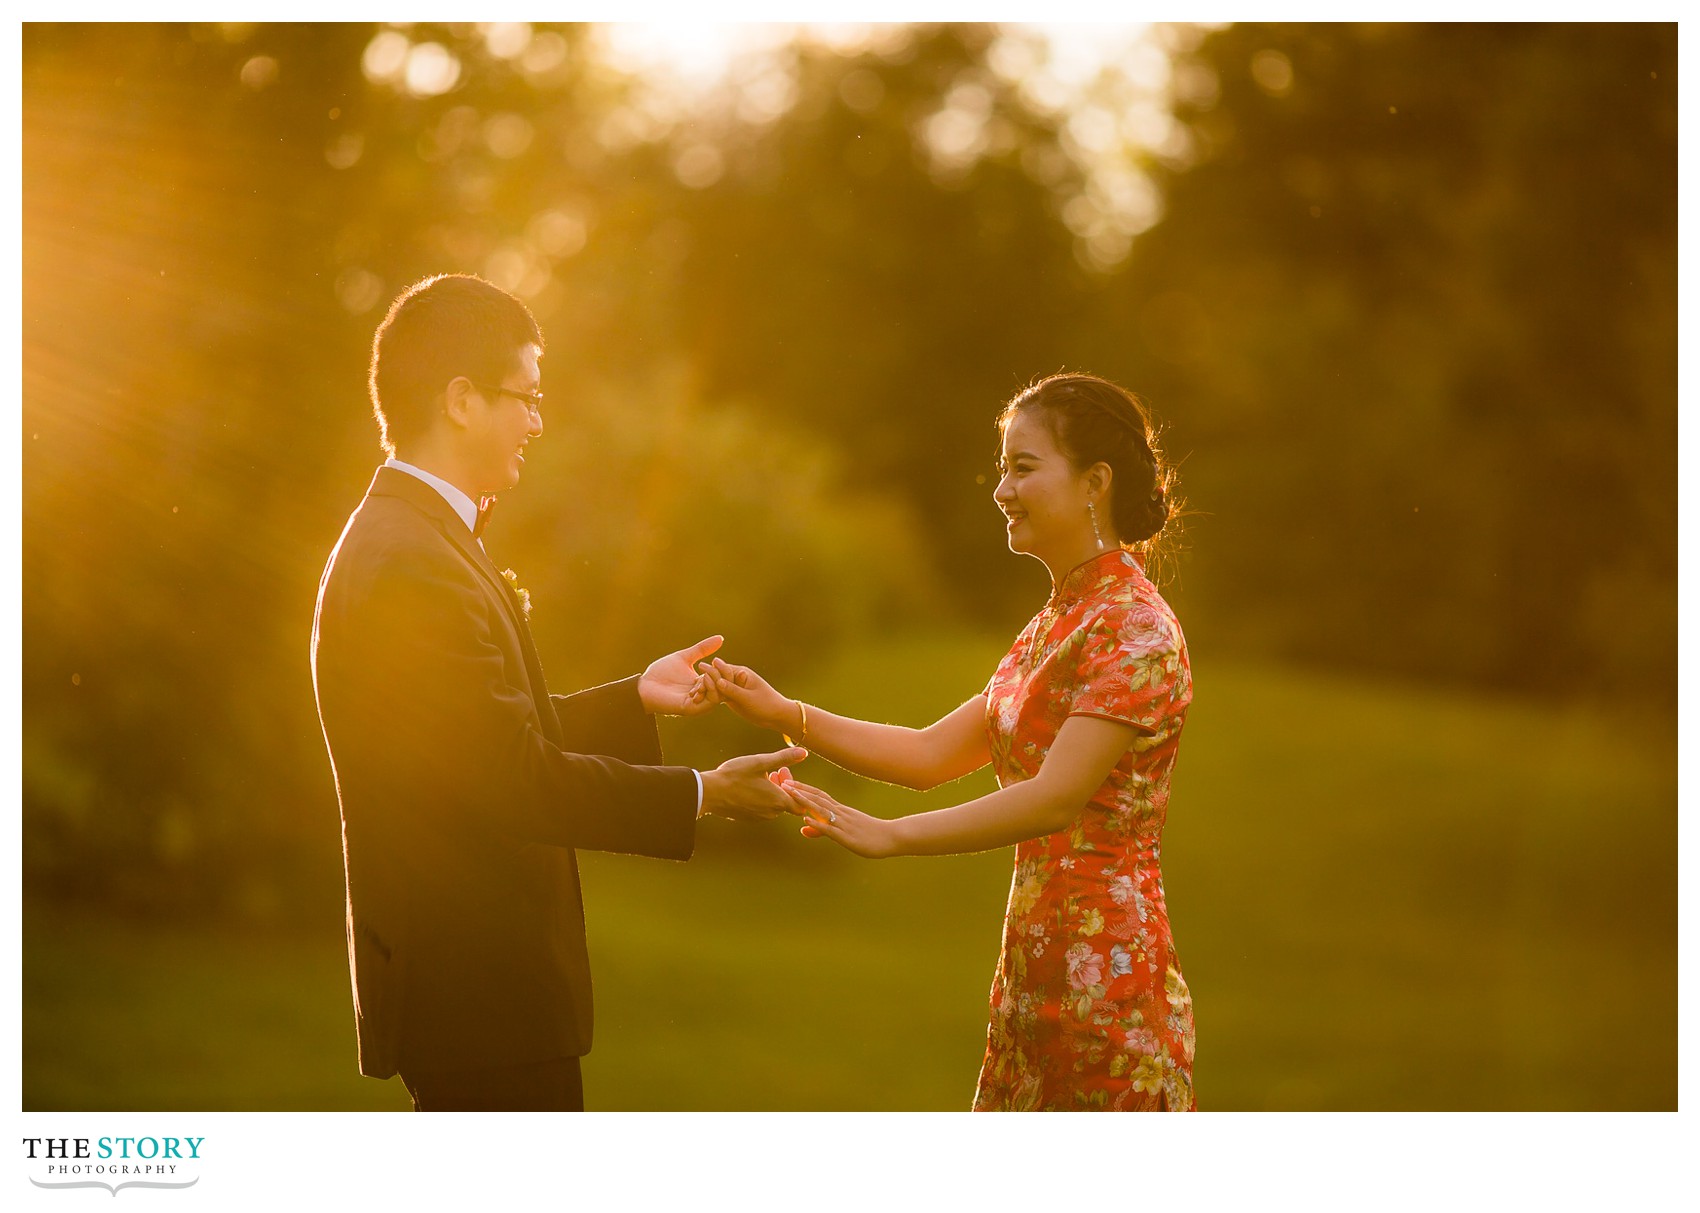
(749, 695)
(855, 831)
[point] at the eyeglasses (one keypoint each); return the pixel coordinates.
(533, 400)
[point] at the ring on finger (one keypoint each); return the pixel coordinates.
(831, 817)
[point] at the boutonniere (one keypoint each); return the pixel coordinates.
(520, 592)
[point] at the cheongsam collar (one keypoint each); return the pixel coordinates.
(1090, 575)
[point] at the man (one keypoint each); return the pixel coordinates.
(464, 785)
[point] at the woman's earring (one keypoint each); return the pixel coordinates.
(1092, 510)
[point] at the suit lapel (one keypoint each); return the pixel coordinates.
(392, 482)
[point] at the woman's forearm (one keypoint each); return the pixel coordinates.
(888, 752)
(1033, 808)
(1085, 752)
(915, 758)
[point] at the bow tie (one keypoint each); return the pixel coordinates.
(486, 507)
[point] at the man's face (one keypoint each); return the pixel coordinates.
(502, 423)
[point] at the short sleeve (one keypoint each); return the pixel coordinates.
(1132, 668)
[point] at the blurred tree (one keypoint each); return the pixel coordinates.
(892, 303)
(174, 343)
(1415, 306)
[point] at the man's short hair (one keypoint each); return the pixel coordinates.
(438, 328)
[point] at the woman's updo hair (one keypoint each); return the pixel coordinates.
(1093, 420)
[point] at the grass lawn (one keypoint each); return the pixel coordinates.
(1383, 898)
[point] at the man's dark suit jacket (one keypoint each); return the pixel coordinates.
(464, 788)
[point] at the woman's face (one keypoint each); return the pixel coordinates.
(1042, 497)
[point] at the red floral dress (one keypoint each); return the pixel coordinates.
(1089, 1008)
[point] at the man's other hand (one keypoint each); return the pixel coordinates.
(739, 788)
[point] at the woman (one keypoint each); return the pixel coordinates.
(1081, 722)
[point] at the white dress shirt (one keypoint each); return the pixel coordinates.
(462, 505)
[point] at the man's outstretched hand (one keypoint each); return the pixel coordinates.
(671, 685)
(739, 788)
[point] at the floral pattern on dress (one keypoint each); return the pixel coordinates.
(1089, 1010)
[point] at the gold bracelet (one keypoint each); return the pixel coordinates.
(803, 710)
